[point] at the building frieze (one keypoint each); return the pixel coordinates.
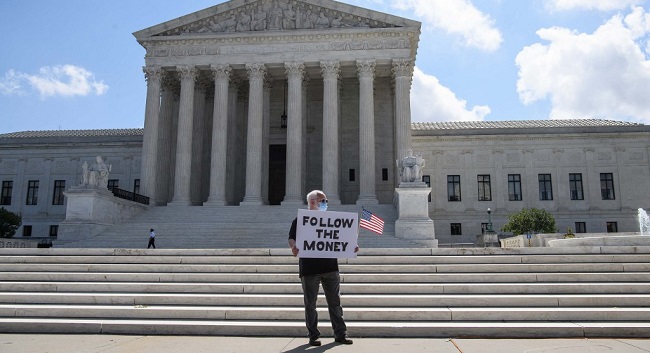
(280, 44)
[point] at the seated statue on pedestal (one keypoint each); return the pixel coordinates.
(96, 176)
(410, 168)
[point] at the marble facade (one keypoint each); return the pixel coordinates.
(219, 80)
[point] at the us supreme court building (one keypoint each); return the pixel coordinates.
(258, 102)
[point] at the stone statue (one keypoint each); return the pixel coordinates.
(289, 20)
(96, 176)
(322, 21)
(259, 19)
(410, 168)
(244, 23)
(337, 22)
(275, 17)
(85, 174)
(230, 24)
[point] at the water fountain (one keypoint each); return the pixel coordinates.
(644, 222)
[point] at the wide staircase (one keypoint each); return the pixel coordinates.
(406, 292)
(225, 227)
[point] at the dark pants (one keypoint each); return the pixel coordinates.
(152, 242)
(331, 287)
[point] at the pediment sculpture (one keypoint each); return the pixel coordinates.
(410, 168)
(267, 15)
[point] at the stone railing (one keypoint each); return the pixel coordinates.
(17, 243)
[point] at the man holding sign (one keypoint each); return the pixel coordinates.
(322, 238)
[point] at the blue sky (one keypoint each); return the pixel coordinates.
(75, 64)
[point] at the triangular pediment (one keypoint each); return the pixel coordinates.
(239, 16)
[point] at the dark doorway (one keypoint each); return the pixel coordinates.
(277, 173)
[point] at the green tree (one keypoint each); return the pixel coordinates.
(533, 220)
(9, 223)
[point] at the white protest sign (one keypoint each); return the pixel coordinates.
(327, 234)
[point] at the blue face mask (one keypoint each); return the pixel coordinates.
(322, 206)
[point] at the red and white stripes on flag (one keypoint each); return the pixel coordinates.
(371, 222)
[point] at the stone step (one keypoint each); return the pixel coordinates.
(404, 292)
(407, 269)
(556, 301)
(296, 313)
(233, 275)
(497, 329)
(348, 288)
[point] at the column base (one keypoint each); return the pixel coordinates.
(216, 201)
(334, 200)
(251, 201)
(292, 201)
(367, 200)
(180, 202)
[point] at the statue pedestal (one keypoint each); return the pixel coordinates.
(413, 221)
(90, 211)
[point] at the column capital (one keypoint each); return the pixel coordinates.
(221, 71)
(152, 73)
(366, 68)
(256, 71)
(295, 69)
(402, 68)
(186, 72)
(330, 69)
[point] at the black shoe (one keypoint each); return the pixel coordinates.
(344, 340)
(314, 342)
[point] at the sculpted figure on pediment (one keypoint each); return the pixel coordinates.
(212, 27)
(289, 20)
(275, 17)
(230, 24)
(337, 22)
(244, 23)
(259, 19)
(322, 21)
(307, 22)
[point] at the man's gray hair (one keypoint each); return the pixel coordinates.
(314, 194)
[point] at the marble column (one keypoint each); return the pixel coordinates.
(331, 71)
(183, 168)
(198, 126)
(367, 186)
(221, 74)
(232, 162)
(256, 73)
(268, 84)
(165, 140)
(403, 73)
(293, 196)
(150, 139)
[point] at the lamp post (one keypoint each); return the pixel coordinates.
(490, 238)
(489, 225)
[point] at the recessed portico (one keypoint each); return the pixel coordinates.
(215, 96)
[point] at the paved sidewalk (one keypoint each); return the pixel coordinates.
(36, 343)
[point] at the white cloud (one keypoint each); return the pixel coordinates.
(458, 17)
(599, 5)
(605, 74)
(431, 101)
(60, 80)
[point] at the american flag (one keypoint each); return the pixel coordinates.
(371, 222)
